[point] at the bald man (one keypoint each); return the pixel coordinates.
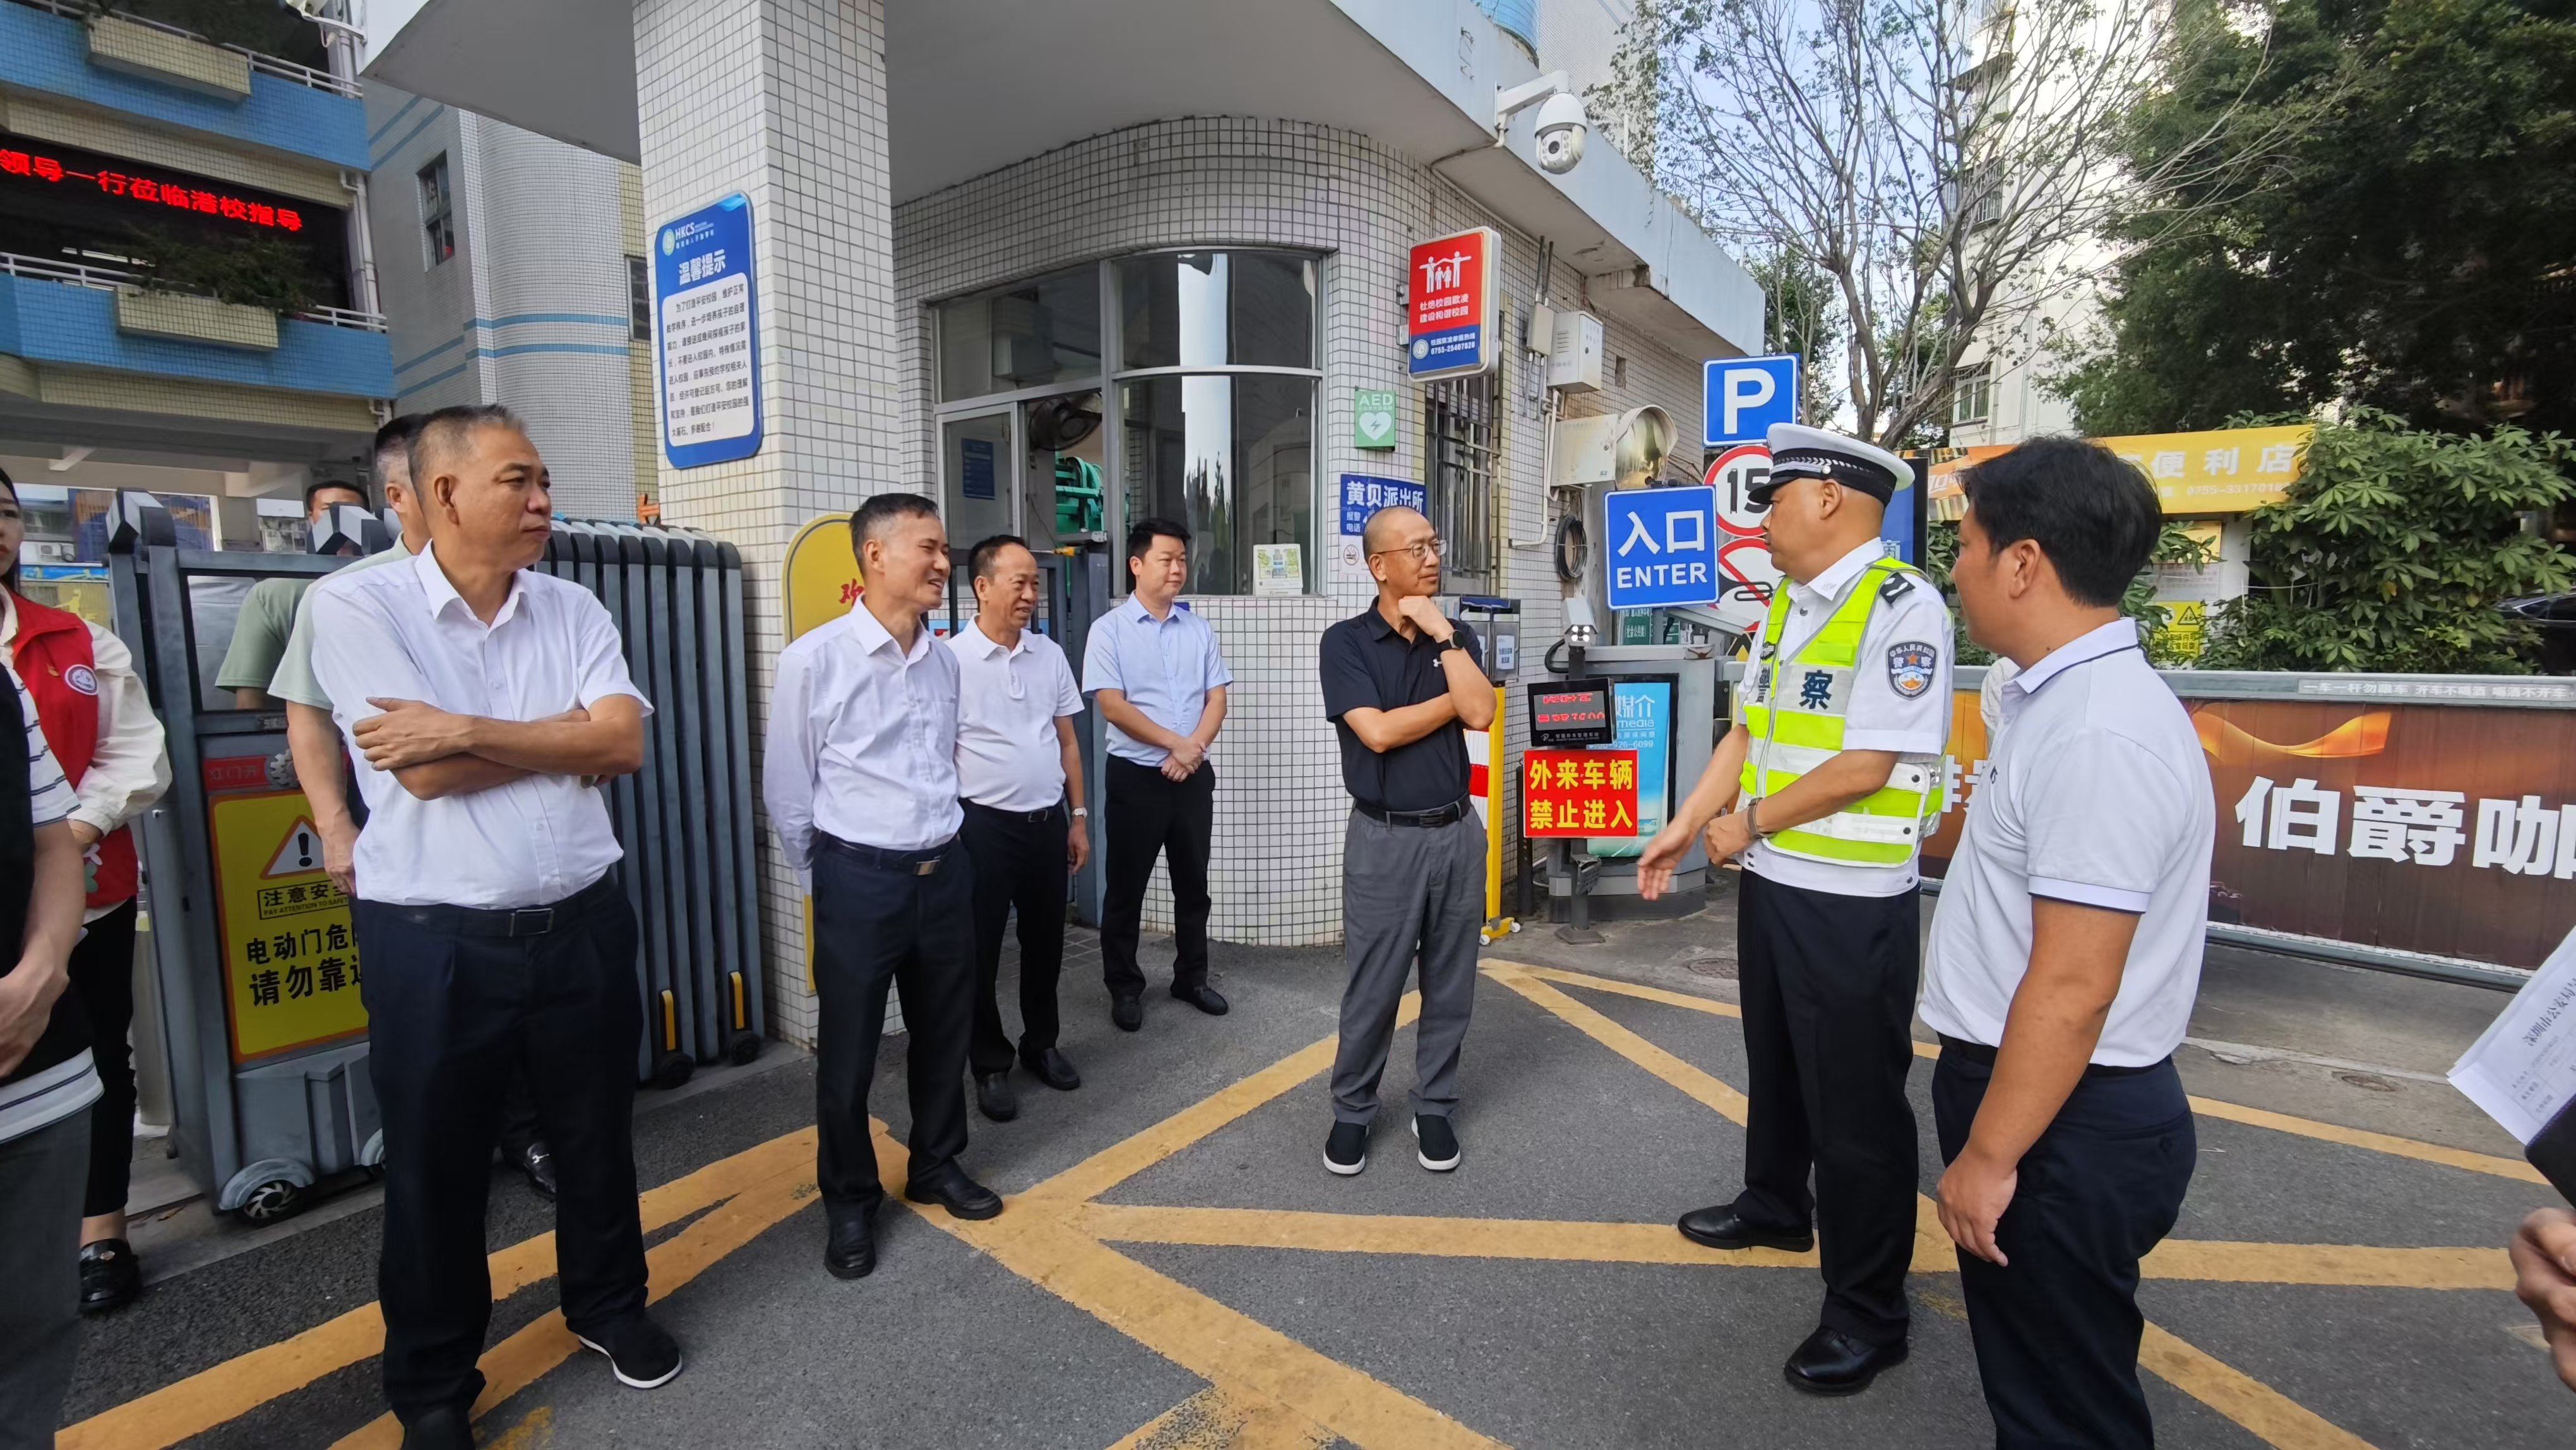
(1403, 686)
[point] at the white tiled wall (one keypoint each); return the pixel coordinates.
(784, 100)
(1207, 182)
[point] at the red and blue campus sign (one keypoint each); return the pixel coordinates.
(1449, 325)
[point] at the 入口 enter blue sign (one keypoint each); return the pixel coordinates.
(1662, 547)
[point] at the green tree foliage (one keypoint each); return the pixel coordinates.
(2409, 242)
(252, 271)
(2392, 550)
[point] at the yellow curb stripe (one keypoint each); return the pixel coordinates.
(536, 1349)
(243, 1383)
(2280, 1421)
(1454, 1238)
(2388, 1143)
(1693, 1082)
(1111, 1166)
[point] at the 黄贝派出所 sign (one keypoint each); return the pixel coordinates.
(707, 343)
(1451, 291)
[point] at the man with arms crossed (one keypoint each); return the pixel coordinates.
(1161, 684)
(1019, 768)
(1402, 686)
(1844, 715)
(861, 780)
(2066, 951)
(480, 698)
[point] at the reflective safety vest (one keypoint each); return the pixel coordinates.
(1793, 708)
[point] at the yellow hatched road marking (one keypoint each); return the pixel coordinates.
(239, 1385)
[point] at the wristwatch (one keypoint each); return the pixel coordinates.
(1081, 811)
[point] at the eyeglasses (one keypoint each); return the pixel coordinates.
(1423, 552)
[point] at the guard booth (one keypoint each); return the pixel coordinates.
(257, 966)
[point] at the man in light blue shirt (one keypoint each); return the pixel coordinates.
(1160, 680)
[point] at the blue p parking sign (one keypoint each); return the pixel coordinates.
(1746, 395)
(1663, 546)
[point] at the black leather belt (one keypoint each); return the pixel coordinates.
(1033, 818)
(512, 921)
(1455, 810)
(911, 863)
(1978, 1052)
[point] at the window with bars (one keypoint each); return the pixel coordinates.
(1972, 397)
(1463, 442)
(639, 300)
(437, 213)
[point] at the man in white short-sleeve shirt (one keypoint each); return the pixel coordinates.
(1019, 781)
(2066, 951)
(481, 701)
(1836, 758)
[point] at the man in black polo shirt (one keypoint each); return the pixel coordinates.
(1402, 686)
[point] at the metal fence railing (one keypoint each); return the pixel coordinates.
(111, 279)
(269, 65)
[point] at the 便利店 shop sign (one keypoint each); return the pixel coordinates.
(2418, 827)
(1451, 291)
(2222, 471)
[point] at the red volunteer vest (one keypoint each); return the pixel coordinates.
(54, 658)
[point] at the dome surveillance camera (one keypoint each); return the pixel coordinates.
(1561, 129)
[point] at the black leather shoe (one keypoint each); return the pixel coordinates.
(539, 1164)
(1204, 998)
(1833, 1363)
(1128, 1012)
(1717, 1227)
(1054, 1069)
(851, 1251)
(445, 1428)
(951, 1189)
(110, 1276)
(994, 1098)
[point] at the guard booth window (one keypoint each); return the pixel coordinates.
(1463, 440)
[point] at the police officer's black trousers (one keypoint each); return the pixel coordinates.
(1150, 815)
(1828, 989)
(455, 1007)
(1019, 862)
(880, 923)
(2057, 1328)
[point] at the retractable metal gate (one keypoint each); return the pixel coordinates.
(1073, 591)
(257, 968)
(685, 819)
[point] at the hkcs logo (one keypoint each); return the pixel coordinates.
(669, 241)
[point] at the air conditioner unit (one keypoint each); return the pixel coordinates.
(1574, 353)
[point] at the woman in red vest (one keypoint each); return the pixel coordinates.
(98, 719)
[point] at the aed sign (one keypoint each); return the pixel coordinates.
(1453, 288)
(1744, 396)
(1663, 547)
(707, 350)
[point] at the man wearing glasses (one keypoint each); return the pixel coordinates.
(1402, 686)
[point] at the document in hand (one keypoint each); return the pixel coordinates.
(2522, 1069)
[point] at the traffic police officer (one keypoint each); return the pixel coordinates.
(1835, 771)
(2066, 952)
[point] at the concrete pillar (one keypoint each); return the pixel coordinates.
(785, 102)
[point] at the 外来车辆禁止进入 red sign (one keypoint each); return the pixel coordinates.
(1579, 793)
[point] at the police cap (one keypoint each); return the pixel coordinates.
(1798, 451)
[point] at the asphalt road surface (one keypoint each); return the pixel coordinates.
(1176, 1268)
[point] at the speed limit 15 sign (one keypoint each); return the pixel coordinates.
(1735, 474)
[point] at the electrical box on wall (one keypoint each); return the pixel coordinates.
(1574, 353)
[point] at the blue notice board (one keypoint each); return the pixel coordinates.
(1363, 495)
(975, 467)
(1642, 713)
(706, 352)
(1663, 546)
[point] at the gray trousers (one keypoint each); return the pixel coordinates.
(1407, 891)
(42, 1175)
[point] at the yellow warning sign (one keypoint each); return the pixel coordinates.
(290, 958)
(822, 584)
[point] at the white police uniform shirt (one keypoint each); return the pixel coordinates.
(1008, 701)
(1165, 667)
(401, 632)
(1895, 705)
(862, 741)
(2096, 792)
